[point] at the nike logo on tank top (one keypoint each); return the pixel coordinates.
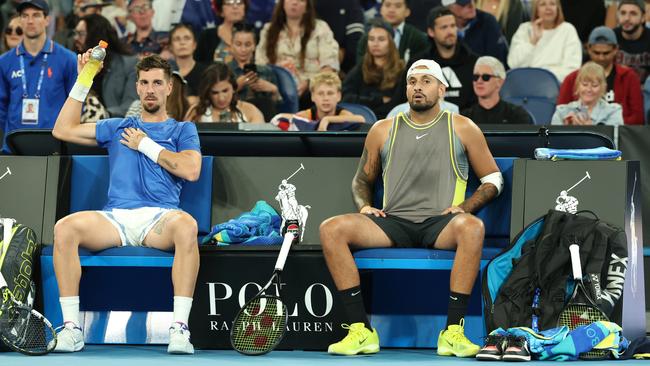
(424, 168)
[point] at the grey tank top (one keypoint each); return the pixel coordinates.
(424, 168)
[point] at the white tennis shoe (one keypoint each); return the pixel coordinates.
(179, 340)
(69, 339)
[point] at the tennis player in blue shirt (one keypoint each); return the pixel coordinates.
(36, 76)
(150, 157)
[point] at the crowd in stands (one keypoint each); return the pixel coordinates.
(227, 52)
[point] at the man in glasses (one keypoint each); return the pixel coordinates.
(455, 58)
(38, 72)
(489, 75)
(145, 40)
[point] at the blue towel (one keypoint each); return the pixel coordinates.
(598, 153)
(260, 226)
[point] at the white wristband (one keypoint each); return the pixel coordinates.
(150, 148)
(79, 92)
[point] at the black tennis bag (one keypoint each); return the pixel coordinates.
(528, 283)
(18, 257)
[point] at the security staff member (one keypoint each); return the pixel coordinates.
(36, 76)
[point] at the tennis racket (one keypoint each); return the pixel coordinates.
(22, 328)
(581, 308)
(260, 324)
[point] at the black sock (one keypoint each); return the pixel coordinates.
(457, 307)
(353, 304)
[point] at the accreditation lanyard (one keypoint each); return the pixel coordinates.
(40, 77)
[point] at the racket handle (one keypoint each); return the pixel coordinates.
(576, 266)
(284, 251)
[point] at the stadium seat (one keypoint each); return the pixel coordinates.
(288, 90)
(534, 89)
(360, 109)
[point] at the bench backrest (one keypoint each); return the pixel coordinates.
(89, 188)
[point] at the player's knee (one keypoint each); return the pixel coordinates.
(64, 231)
(469, 225)
(330, 229)
(187, 225)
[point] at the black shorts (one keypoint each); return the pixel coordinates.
(408, 234)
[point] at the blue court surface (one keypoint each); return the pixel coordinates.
(104, 355)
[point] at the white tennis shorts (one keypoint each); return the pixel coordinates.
(134, 224)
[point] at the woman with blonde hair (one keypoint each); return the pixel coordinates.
(12, 35)
(591, 107)
(374, 82)
(547, 41)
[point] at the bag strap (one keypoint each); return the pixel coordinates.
(7, 226)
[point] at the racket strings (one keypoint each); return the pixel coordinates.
(259, 326)
(578, 315)
(25, 330)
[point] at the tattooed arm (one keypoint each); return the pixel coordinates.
(369, 169)
(184, 164)
(481, 161)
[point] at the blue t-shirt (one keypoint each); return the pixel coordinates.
(135, 180)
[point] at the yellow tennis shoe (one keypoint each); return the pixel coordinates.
(359, 340)
(452, 342)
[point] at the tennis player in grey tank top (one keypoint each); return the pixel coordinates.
(423, 158)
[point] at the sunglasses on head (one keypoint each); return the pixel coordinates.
(484, 77)
(17, 30)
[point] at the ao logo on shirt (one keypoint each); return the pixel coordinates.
(452, 78)
(16, 74)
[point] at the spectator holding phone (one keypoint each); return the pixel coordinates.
(256, 84)
(218, 99)
(591, 107)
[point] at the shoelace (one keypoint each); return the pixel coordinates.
(353, 332)
(493, 340)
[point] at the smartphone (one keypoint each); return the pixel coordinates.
(250, 67)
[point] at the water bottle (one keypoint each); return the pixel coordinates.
(92, 66)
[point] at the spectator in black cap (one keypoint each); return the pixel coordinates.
(633, 37)
(478, 29)
(622, 82)
(375, 81)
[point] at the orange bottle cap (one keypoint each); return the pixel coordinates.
(103, 44)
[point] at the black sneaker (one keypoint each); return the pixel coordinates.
(493, 348)
(517, 349)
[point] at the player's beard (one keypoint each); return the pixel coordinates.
(151, 110)
(423, 107)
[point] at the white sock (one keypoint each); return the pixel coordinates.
(70, 309)
(182, 307)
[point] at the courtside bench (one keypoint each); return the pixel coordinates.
(406, 289)
(141, 287)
